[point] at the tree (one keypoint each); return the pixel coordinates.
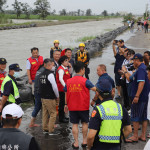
(88, 12)
(26, 9)
(112, 14)
(42, 8)
(105, 13)
(53, 12)
(63, 12)
(79, 12)
(17, 7)
(117, 14)
(2, 4)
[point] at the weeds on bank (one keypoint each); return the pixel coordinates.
(86, 38)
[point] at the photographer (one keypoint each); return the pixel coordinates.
(83, 56)
(119, 56)
(128, 63)
(119, 43)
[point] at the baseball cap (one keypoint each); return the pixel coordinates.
(3, 61)
(137, 56)
(14, 110)
(104, 86)
(121, 41)
(15, 67)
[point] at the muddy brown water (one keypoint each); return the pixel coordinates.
(15, 44)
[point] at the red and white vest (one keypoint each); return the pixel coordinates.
(65, 78)
(2, 76)
(78, 95)
(35, 65)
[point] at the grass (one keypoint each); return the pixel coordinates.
(57, 17)
(86, 38)
(108, 30)
(3, 19)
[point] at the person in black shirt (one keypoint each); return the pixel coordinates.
(68, 53)
(119, 56)
(11, 137)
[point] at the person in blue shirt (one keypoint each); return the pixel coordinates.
(140, 91)
(102, 73)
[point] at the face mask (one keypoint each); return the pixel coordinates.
(16, 74)
(53, 68)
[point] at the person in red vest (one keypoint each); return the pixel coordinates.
(2, 76)
(62, 75)
(78, 102)
(2, 71)
(33, 64)
(63, 52)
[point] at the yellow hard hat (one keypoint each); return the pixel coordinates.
(56, 41)
(82, 44)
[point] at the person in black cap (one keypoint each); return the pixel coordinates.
(107, 121)
(2, 71)
(139, 97)
(9, 89)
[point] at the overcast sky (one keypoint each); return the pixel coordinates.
(97, 6)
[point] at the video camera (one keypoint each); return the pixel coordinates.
(130, 67)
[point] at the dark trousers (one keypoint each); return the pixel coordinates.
(61, 106)
(38, 104)
(87, 72)
(125, 94)
(0, 120)
(146, 29)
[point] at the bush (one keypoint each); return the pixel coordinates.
(3, 19)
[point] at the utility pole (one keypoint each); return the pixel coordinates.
(146, 11)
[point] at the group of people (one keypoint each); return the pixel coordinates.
(58, 82)
(143, 25)
(132, 82)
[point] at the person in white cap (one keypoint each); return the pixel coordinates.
(10, 136)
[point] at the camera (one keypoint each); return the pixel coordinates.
(130, 67)
(116, 41)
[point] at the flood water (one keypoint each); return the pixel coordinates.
(15, 46)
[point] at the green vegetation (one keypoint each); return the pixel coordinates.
(86, 38)
(108, 30)
(128, 17)
(57, 17)
(3, 19)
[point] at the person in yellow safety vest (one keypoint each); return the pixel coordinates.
(109, 121)
(9, 89)
(83, 56)
(56, 47)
